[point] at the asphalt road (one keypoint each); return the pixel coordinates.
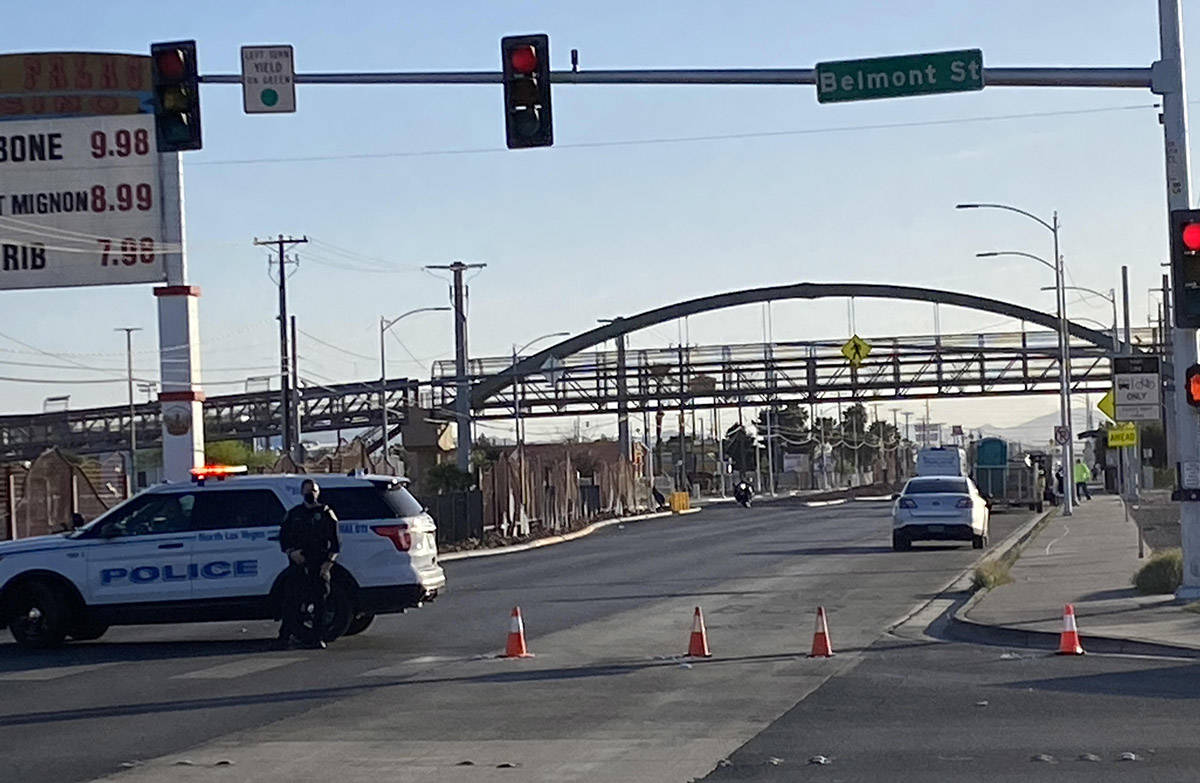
(914, 711)
(418, 695)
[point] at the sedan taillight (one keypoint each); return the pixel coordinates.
(964, 503)
(907, 503)
(397, 534)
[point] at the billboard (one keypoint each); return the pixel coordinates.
(81, 202)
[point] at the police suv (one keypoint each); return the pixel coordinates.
(209, 550)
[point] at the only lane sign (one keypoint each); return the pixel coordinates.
(900, 76)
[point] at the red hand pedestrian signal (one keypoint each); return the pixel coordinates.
(1192, 385)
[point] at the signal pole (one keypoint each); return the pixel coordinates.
(1168, 80)
(462, 384)
(285, 391)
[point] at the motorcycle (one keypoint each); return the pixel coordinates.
(742, 494)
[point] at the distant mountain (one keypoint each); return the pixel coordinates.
(1039, 431)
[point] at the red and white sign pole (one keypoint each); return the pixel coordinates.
(178, 338)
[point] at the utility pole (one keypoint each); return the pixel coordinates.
(285, 392)
(131, 473)
(907, 416)
(462, 383)
(295, 410)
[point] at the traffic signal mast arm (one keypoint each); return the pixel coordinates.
(1138, 78)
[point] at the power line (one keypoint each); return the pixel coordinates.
(683, 139)
(338, 348)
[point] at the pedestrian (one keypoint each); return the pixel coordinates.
(1058, 480)
(1082, 475)
(309, 537)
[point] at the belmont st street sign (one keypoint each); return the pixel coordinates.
(899, 76)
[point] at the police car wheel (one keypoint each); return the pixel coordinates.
(339, 611)
(88, 631)
(41, 618)
(359, 624)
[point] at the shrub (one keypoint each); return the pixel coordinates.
(1162, 573)
(991, 574)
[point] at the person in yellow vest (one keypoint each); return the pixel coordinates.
(1082, 474)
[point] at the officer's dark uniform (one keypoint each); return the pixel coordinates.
(314, 532)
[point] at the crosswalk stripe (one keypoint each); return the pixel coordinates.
(227, 671)
(405, 667)
(52, 673)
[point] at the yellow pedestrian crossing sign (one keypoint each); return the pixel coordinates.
(855, 350)
(1108, 405)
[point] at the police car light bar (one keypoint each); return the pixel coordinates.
(216, 471)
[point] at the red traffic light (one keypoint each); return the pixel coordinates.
(1190, 234)
(171, 63)
(524, 59)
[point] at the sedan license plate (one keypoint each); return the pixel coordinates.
(937, 528)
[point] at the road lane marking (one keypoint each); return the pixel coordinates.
(1066, 530)
(818, 503)
(228, 671)
(55, 673)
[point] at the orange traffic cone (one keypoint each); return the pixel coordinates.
(1068, 642)
(516, 637)
(820, 646)
(698, 644)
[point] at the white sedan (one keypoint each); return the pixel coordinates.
(939, 508)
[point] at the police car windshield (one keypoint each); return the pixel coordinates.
(90, 527)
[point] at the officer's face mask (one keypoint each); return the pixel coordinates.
(310, 497)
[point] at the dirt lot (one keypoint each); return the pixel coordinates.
(1159, 518)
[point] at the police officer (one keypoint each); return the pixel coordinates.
(309, 536)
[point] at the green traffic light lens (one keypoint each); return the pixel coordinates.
(176, 129)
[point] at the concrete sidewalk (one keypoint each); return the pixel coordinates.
(1088, 560)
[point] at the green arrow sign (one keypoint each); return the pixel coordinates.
(900, 76)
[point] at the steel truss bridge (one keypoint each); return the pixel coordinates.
(816, 372)
(345, 406)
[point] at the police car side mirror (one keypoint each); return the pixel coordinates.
(77, 521)
(895, 496)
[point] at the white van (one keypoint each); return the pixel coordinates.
(942, 461)
(209, 550)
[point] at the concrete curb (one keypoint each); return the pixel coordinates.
(551, 540)
(964, 629)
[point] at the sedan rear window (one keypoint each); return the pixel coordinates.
(927, 486)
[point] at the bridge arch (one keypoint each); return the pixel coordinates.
(581, 342)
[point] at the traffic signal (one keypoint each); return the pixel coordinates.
(1192, 385)
(526, 63)
(176, 82)
(1185, 266)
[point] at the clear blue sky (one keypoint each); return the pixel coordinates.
(576, 233)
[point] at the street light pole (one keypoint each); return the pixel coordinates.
(130, 473)
(1064, 342)
(1111, 296)
(384, 325)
